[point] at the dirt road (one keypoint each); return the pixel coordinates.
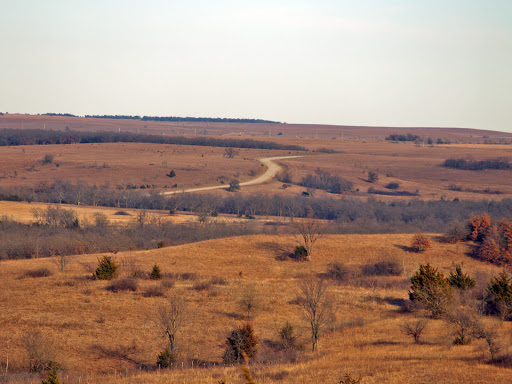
(272, 169)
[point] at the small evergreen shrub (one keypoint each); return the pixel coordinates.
(287, 336)
(461, 280)
(107, 269)
(52, 376)
(499, 296)
(241, 341)
(430, 289)
(155, 274)
(300, 252)
(165, 359)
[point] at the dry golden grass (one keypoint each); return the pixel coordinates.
(122, 164)
(95, 332)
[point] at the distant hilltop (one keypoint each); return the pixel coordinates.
(169, 118)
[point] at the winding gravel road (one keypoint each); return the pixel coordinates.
(272, 169)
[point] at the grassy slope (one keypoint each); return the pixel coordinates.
(95, 332)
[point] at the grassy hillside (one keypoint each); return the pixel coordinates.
(99, 336)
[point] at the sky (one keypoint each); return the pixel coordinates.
(362, 62)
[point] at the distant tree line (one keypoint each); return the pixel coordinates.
(350, 215)
(401, 137)
(40, 137)
(59, 114)
(477, 165)
(183, 119)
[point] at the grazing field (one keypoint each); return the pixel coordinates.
(131, 200)
(127, 164)
(100, 336)
(417, 170)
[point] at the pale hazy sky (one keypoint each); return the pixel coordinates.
(403, 62)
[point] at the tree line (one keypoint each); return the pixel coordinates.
(350, 215)
(477, 165)
(10, 137)
(184, 119)
(58, 231)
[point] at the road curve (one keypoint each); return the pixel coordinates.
(272, 169)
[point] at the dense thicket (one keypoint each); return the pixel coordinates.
(20, 241)
(477, 165)
(40, 137)
(351, 215)
(324, 180)
(184, 119)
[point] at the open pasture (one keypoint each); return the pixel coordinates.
(92, 332)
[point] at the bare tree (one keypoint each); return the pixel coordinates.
(172, 317)
(250, 302)
(38, 351)
(230, 152)
(234, 185)
(61, 261)
(317, 306)
(466, 324)
(309, 232)
(490, 334)
(415, 329)
(142, 217)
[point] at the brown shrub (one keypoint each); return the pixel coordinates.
(168, 283)
(383, 268)
(123, 284)
(420, 243)
(479, 226)
(40, 272)
(153, 291)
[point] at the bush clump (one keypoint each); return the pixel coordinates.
(40, 272)
(124, 284)
(154, 291)
(420, 243)
(338, 271)
(383, 268)
(107, 269)
(392, 185)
